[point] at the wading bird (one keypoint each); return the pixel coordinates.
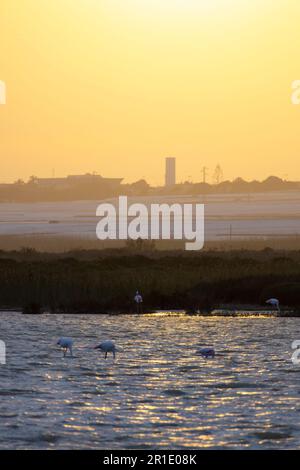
(274, 303)
(139, 302)
(107, 346)
(66, 344)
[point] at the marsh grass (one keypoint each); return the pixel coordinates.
(105, 280)
(60, 244)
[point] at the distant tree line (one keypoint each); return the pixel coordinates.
(32, 192)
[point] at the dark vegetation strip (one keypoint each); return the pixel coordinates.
(99, 282)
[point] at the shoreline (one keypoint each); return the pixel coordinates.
(230, 313)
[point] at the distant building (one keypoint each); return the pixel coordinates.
(60, 183)
(75, 180)
(170, 176)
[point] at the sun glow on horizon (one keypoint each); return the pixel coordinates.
(114, 86)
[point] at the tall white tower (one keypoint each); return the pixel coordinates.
(170, 176)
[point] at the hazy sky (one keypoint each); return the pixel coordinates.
(114, 86)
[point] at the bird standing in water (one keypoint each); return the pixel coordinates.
(66, 344)
(107, 346)
(139, 302)
(274, 302)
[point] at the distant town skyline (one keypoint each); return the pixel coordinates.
(168, 177)
(210, 178)
(182, 173)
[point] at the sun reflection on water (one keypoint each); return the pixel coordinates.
(157, 393)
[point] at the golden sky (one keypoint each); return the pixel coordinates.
(114, 86)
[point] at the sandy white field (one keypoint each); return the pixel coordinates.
(242, 215)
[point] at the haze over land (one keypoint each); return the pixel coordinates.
(228, 218)
(93, 187)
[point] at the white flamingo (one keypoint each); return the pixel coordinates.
(139, 302)
(107, 346)
(207, 353)
(274, 302)
(66, 344)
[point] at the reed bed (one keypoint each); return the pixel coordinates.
(105, 281)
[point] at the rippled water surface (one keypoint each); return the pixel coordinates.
(157, 393)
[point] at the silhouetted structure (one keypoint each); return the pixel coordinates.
(74, 180)
(170, 177)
